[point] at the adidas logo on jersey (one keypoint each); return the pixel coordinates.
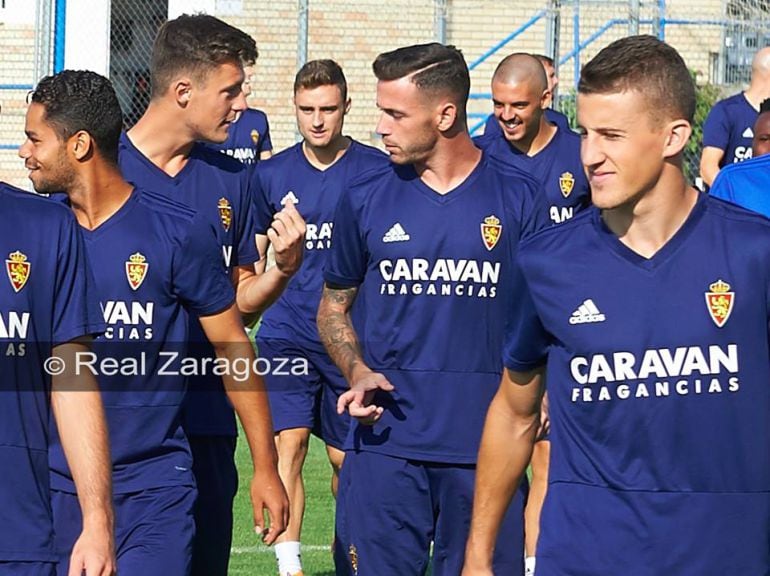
(290, 197)
(748, 133)
(586, 313)
(396, 234)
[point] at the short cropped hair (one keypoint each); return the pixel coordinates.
(648, 66)
(76, 100)
(764, 106)
(197, 44)
(321, 73)
(434, 68)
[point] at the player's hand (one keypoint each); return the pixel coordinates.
(93, 554)
(269, 496)
(358, 400)
(287, 236)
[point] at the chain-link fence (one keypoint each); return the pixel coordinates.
(27, 55)
(716, 37)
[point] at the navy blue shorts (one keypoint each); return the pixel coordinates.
(217, 479)
(389, 510)
(27, 569)
(153, 530)
(305, 400)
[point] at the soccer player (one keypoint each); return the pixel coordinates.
(654, 330)
(746, 183)
(312, 174)
(47, 318)
(760, 145)
(153, 260)
(248, 138)
(553, 116)
(529, 142)
(727, 132)
(197, 74)
(428, 241)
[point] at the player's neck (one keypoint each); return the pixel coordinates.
(449, 164)
(97, 195)
(162, 141)
(323, 157)
(540, 140)
(646, 224)
(756, 93)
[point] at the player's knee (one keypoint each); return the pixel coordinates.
(336, 458)
(292, 446)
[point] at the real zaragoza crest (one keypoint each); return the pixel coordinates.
(225, 213)
(491, 230)
(566, 183)
(136, 270)
(18, 268)
(719, 301)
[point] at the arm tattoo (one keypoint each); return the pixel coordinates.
(336, 329)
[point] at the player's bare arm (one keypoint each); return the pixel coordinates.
(77, 408)
(249, 398)
(336, 331)
(709, 164)
(256, 287)
(510, 431)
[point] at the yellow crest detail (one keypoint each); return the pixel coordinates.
(255, 136)
(136, 270)
(719, 301)
(353, 554)
(491, 230)
(225, 213)
(18, 270)
(566, 183)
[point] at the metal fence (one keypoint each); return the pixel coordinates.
(716, 37)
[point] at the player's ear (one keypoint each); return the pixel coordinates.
(677, 135)
(347, 105)
(81, 144)
(181, 89)
(447, 116)
(545, 99)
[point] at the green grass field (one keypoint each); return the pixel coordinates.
(250, 557)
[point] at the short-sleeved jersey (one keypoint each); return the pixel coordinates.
(557, 167)
(216, 186)
(434, 272)
(247, 138)
(729, 126)
(658, 374)
(492, 125)
(746, 184)
(289, 176)
(154, 261)
(46, 298)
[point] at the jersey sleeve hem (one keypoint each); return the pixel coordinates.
(64, 336)
(344, 281)
(215, 307)
(519, 366)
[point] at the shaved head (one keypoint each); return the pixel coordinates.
(760, 65)
(521, 68)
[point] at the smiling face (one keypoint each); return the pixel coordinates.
(214, 101)
(518, 107)
(408, 121)
(320, 114)
(622, 147)
(45, 154)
